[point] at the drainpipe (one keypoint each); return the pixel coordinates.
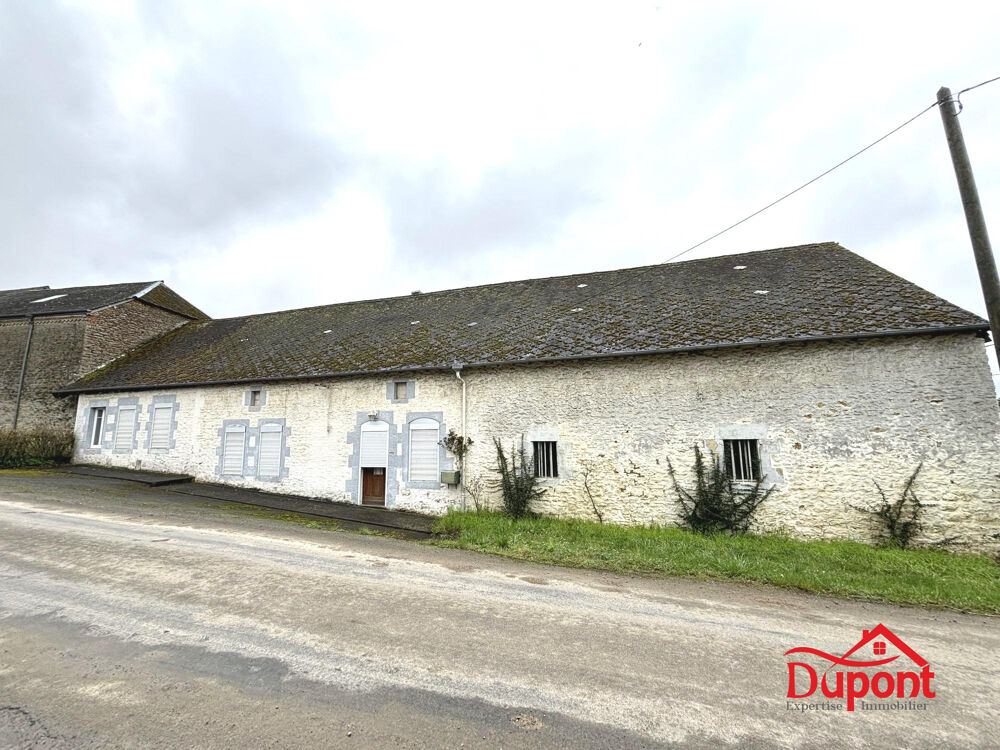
(24, 366)
(461, 479)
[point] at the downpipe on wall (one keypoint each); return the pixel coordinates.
(24, 367)
(461, 477)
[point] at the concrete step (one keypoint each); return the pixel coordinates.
(149, 478)
(380, 518)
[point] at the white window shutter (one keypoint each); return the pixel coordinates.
(125, 428)
(375, 447)
(269, 451)
(424, 451)
(160, 429)
(233, 448)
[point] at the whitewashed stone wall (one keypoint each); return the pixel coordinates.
(319, 416)
(831, 417)
(834, 416)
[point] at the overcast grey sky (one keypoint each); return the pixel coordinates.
(262, 156)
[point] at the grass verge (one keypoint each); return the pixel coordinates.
(920, 576)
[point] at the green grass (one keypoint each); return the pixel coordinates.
(919, 576)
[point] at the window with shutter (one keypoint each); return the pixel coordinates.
(424, 451)
(269, 451)
(375, 444)
(233, 450)
(125, 428)
(160, 429)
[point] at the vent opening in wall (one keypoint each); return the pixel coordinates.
(742, 460)
(546, 460)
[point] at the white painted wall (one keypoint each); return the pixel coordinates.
(832, 418)
(319, 414)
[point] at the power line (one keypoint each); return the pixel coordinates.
(958, 98)
(824, 174)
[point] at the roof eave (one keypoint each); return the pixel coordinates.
(967, 328)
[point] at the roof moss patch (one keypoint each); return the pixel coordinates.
(814, 291)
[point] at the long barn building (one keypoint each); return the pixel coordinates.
(807, 367)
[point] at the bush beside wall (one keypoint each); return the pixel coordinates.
(39, 447)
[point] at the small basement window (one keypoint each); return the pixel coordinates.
(255, 397)
(399, 390)
(546, 461)
(742, 460)
(96, 426)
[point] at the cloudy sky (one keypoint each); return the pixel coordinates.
(260, 156)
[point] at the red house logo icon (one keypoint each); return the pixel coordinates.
(853, 684)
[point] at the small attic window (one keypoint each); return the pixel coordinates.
(255, 397)
(47, 299)
(399, 390)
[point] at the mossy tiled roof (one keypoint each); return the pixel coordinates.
(20, 303)
(812, 291)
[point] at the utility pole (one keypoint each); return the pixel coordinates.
(973, 212)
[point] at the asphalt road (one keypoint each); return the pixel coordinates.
(138, 618)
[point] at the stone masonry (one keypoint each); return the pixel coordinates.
(62, 349)
(831, 417)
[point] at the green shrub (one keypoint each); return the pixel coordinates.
(41, 447)
(898, 521)
(716, 504)
(517, 482)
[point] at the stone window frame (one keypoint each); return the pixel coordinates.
(352, 485)
(283, 451)
(445, 462)
(172, 440)
(411, 391)
(128, 401)
(88, 428)
(260, 405)
(765, 447)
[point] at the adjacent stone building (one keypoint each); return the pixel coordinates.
(50, 337)
(806, 367)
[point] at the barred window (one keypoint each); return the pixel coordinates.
(546, 461)
(742, 460)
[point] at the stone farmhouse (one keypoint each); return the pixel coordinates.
(50, 337)
(807, 367)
